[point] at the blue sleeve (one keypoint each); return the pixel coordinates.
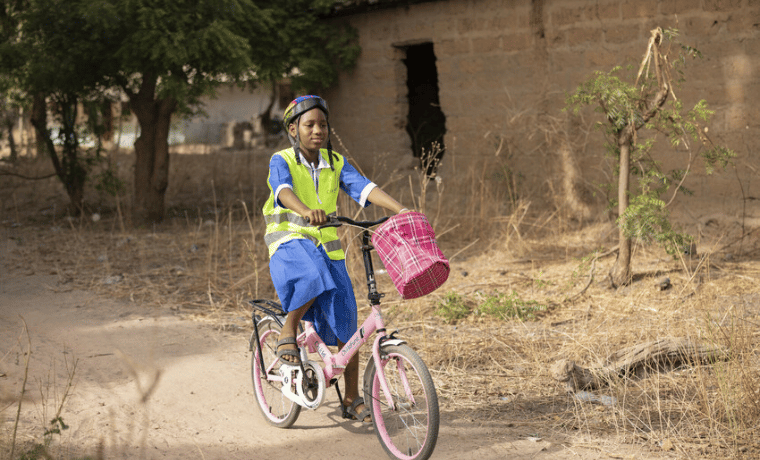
(279, 176)
(355, 185)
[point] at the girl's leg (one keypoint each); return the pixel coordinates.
(290, 328)
(351, 375)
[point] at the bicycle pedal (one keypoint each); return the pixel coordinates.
(289, 369)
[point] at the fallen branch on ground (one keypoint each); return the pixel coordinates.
(636, 361)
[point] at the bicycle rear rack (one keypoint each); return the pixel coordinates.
(269, 308)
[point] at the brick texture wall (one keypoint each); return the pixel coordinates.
(505, 66)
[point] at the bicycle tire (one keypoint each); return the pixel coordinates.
(409, 432)
(277, 409)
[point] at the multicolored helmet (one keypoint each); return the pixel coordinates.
(301, 105)
(298, 107)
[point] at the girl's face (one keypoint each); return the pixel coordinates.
(312, 129)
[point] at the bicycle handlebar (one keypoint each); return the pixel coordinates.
(337, 221)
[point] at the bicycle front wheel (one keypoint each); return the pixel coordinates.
(277, 409)
(409, 430)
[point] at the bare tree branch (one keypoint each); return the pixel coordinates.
(5, 172)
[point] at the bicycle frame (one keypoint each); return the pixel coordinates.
(335, 363)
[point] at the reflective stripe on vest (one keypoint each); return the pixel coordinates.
(284, 225)
(285, 235)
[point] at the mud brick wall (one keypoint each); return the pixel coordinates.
(505, 66)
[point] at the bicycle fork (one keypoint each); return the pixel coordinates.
(380, 342)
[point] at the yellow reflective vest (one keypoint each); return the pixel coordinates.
(284, 225)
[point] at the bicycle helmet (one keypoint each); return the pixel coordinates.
(293, 113)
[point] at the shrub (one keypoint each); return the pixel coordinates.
(507, 306)
(453, 307)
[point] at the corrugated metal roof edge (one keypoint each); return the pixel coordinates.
(351, 7)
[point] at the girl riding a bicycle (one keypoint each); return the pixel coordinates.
(307, 265)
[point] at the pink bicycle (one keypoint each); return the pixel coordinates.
(397, 386)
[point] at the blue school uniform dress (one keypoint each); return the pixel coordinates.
(306, 263)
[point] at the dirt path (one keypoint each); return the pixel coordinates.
(202, 404)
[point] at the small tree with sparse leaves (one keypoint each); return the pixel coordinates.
(649, 106)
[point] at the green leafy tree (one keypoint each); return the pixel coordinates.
(44, 63)
(634, 114)
(165, 55)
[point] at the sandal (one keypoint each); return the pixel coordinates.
(351, 414)
(293, 353)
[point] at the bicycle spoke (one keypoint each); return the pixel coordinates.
(410, 430)
(277, 409)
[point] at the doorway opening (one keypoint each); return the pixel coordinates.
(426, 123)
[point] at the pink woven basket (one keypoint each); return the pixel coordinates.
(407, 247)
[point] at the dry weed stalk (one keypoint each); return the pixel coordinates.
(426, 173)
(28, 355)
(50, 426)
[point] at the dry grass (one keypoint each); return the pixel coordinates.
(500, 369)
(14, 441)
(206, 264)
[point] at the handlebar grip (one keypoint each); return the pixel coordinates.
(332, 223)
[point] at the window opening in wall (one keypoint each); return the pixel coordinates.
(426, 123)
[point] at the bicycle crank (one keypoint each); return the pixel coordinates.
(305, 388)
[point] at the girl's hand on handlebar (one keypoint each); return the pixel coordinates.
(316, 217)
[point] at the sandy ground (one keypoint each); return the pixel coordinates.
(151, 384)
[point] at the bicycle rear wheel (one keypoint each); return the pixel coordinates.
(410, 430)
(276, 408)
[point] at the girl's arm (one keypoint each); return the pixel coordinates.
(289, 199)
(355, 184)
(382, 199)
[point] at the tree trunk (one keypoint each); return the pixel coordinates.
(67, 167)
(107, 113)
(74, 174)
(38, 119)
(151, 152)
(8, 118)
(12, 142)
(620, 273)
